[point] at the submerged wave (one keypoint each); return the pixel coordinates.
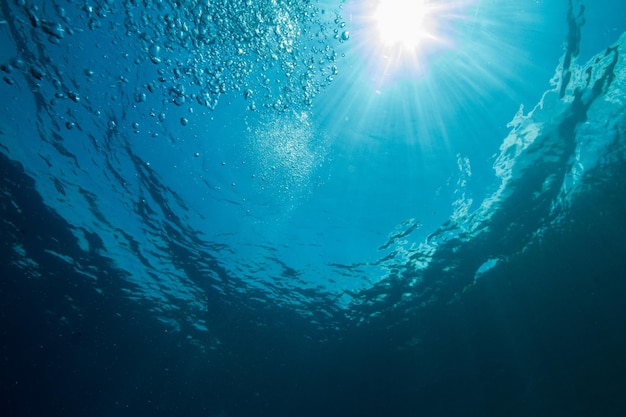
(114, 101)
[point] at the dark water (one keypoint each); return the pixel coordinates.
(227, 209)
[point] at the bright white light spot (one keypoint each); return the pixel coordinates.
(403, 23)
(399, 39)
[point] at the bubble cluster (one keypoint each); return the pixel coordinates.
(274, 54)
(287, 152)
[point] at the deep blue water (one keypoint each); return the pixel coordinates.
(258, 208)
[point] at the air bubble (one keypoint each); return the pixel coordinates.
(73, 96)
(36, 72)
(155, 51)
(17, 63)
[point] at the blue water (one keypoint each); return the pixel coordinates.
(260, 208)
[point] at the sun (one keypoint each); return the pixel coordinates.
(399, 40)
(404, 23)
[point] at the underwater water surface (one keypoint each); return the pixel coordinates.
(303, 208)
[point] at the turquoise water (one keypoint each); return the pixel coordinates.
(258, 208)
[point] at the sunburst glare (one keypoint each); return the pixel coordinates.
(404, 23)
(433, 61)
(398, 36)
